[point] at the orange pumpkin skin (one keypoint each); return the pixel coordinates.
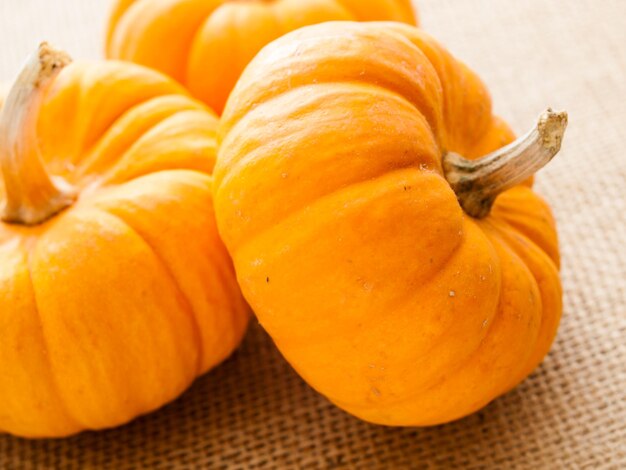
(111, 308)
(351, 246)
(206, 44)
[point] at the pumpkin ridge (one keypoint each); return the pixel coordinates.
(519, 375)
(224, 272)
(431, 107)
(187, 303)
(469, 357)
(53, 377)
(548, 324)
(453, 76)
(299, 113)
(493, 315)
(510, 214)
(236, 21)
(318, 200)
(522, 231)
(142, 6)
(116, 174)
(366, 85)
(193, 44)
(89, 82)
(98, 149)
(118, 11)
(220, 261)
(505, 231)
(88, 85)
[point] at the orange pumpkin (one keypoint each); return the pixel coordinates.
(371, 251)
(206, 44)
(115, 289)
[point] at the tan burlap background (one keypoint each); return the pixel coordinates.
(255, 412)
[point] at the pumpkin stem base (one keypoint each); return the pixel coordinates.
(477, 183)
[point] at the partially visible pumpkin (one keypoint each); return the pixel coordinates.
(4, 91)
(206, 44)
(115, 289)
(408, 284)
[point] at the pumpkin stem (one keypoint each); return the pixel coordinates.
(32, 195)
(477, 183)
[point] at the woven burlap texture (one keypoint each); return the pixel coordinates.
(255, 412)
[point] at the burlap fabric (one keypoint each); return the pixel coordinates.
(255, 412)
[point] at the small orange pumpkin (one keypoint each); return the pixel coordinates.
(115, 289)
(206, 44)
(408, 284)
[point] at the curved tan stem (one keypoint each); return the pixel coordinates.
(32, 195)
(477, 183)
